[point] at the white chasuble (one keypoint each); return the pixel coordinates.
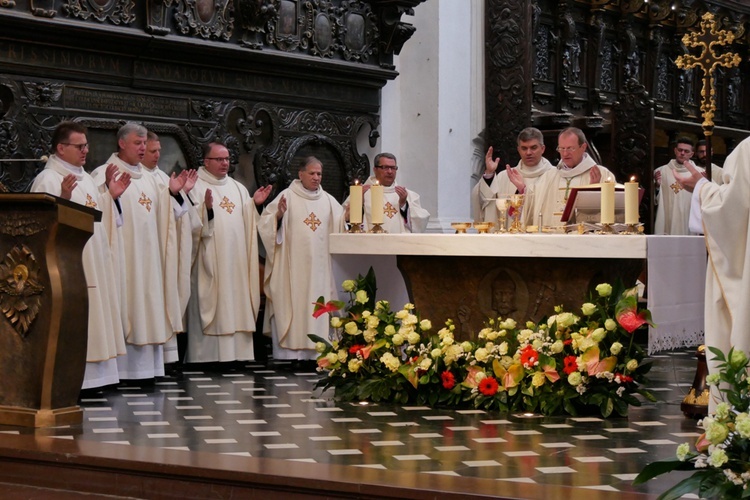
(673, 208)
(550, 194)
(726, 223)
(106, 340)
(149, 252)
(484, 197)
(225, 279)
(298, 267)
(394, 221)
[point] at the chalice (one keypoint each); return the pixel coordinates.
(515, 211)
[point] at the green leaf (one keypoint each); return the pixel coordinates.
(658, 468)
(685, 486)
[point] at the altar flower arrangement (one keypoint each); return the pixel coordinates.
(720, 458)
(573, 362)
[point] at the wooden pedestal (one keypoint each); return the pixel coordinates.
(43, 308)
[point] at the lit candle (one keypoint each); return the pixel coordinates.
(355, 203)
(608, 203)
(631, 202)
(376, 203)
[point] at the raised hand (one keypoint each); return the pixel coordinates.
(208, 199)
(282, 208)
(119, 185)
(490, 165)
(177, 182)
(110, 172)
(595, 175)
(261, 194)
(657, 178)
(190, 180)
(402, 194)
(688, 182)
(67, 186)
(516, 178)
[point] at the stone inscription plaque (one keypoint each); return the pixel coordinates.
(118, 102)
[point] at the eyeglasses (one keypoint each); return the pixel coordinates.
(220, 160)
(386, 167)
(80, 147)
(567, 150)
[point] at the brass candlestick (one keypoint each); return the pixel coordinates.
(378, 229)
(356, 228)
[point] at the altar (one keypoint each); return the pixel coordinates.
(472, 277)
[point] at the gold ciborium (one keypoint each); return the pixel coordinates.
(502, 214)
(461, 227)
(515, 212)
(483, 227)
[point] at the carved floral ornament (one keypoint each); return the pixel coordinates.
(20, 289)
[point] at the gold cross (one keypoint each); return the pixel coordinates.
(90, 201)
(389, 210)
(707, 40)
(227, 205)
(145, 201)
(676, 188)
(312, 221)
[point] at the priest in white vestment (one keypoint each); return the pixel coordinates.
(673, 202)
(149, 253)
(64, 176)
(550, 193)
(496, 185)
(225, 297)
(402, 209)
(184, 225)
(294, 229)
(722, 213)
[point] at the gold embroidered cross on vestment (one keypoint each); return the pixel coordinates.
(90, 201)
(312, 221)
(227, 205)
(389, 210)
(145, 201)
(676, 187)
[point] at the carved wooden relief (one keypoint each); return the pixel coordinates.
(358, 35)
(205, 18)
(113, 11)
(20, 288)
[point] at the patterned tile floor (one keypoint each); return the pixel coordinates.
(273, 412)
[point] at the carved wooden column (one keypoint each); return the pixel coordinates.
(508, 73)
(44, 305)
(633, 144)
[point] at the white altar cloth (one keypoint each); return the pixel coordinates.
(676, 291)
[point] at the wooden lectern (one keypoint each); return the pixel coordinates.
(43, 308)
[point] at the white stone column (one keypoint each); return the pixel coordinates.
(432, 113)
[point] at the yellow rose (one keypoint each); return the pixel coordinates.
(349, 285)
(503, 350)
(320, 347)
(351, 328)
(398, 339)
(436, 353)
(447, 341)
(537, 344)
(332, 357)
(390, 361)
(413, 338)
(354, 365)
(390, 330)
(425, 364)
(466, 346)
(575, 379)
(370, 335)
(361, 296)
(402, 314)
(588, 309)
(342, 355)
(492, 335)
(336, 322)
(425, 325)
(410, 319)
(366, 314)
(372, 321)
(481, 354)
(409, 306)
(616, 348)
(598, 334)
(632, 365)
(557, 347)
(604, 289)
(610, 324)
(538, 379)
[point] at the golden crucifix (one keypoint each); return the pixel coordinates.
(708, 39)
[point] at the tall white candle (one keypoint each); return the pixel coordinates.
(376, 203)
(608, 203)
(631, 202)
(355, 203)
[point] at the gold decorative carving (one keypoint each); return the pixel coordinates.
(20, 289)
(701, 400)
(18, 224)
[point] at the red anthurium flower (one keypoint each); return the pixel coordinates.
(627, 315)
(356, 348)
(322, 308)
(571, 364)
(529, 357)
(488, 386)
(448, 379)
